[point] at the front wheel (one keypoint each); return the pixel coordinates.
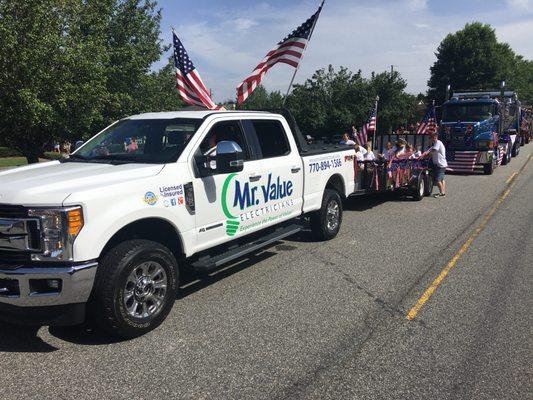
(326, 222)
(135, 288)
(488, 169)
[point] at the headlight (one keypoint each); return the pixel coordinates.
(59, 228)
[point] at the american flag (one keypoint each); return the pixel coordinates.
(429, 123)
(189, 83)
(463, 161)
(289, 51)
(370, 126)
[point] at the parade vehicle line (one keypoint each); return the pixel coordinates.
(510, 182)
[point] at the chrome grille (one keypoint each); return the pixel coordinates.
(19, 235)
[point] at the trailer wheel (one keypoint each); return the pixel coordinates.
(326, 222)
(429, 184)
(135, 288)
(420, 190)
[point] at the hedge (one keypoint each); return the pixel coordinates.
(7, 152)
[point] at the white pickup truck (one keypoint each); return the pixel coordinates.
(107, 230)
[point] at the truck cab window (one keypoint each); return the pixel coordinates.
(224, 131)
(272, 138)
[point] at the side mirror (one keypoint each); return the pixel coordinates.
(229, 157)
(78, 144)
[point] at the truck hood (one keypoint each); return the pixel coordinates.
(50, 183)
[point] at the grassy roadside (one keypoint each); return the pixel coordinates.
(12, 162)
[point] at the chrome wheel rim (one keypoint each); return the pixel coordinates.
(332, 215)
(145, 290)
(422, 187)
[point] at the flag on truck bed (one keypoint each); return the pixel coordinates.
(289, 51)
(189, 83)
(370, 126)
(429, 123)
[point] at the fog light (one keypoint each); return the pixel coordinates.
(42, 286)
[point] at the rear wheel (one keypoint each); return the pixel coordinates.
(135, 288)
(516, 148)
(420, 190)
(429, 184)
(507, 156)
(326, 222)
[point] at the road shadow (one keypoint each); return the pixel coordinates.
(368, 201)
(192, 282)
(22, 339)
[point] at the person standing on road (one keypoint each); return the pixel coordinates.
(438, 155)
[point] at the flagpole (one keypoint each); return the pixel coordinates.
(303, 53)
(376, 125)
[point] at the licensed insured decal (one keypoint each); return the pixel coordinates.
(247, 206)
(150, 198)
(171, 191)
(324, 163)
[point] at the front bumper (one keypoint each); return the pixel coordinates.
(26, 286)
(25, 298)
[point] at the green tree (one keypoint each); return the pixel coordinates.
(261, 99)
(52, 78)
(331, 101)
(471, 58)
(70, 67)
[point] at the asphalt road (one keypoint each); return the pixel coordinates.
(306, 320)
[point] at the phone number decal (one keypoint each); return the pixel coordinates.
(325, 165)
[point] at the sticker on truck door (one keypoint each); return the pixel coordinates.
(249, 205)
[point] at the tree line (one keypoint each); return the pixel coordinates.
(68, 68)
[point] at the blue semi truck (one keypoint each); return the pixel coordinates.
(480, 129)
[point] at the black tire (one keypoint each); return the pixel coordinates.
(516, 149)
(429, 184)
(488, 169)
(322, 221)
(507, 157)
(420, 190)
(527, 139)
(107, 306)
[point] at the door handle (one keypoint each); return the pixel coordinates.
(255, 178)
(295, 170)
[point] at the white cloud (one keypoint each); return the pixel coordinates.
(359, 35)
(416, 5)
(524, 5)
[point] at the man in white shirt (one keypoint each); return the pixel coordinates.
(438, 155)
(346, 140)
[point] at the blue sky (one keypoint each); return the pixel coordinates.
(226, 39)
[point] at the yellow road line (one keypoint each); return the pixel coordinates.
(435, 284)
(511, 178)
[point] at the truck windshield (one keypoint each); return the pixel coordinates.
(466, 112)
(153, 141)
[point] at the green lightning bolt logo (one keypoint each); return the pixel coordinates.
(232, 223)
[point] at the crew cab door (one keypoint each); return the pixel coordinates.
(212, 191)
(277, 173)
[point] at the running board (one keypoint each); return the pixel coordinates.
(208, 263)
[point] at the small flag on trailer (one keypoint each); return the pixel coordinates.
(189, 83)
(429, 123)
(370, 126)
(289, 51)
